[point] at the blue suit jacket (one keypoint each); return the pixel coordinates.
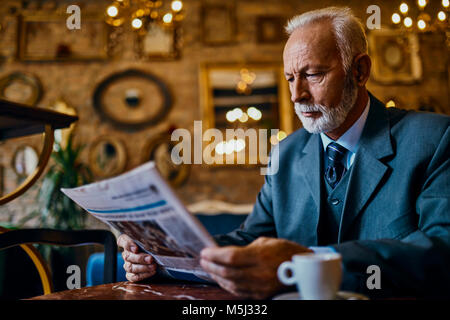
(396, 211)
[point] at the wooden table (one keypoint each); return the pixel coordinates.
(143, 291)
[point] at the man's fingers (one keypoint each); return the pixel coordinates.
(231, 286)
(133, 277)
(139, 268)
(127, 243)
(221, 270)
(229, 256)
(139, 258)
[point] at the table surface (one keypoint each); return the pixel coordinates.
(17, 120)
(143, 291)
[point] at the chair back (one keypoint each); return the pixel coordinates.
(25, 237)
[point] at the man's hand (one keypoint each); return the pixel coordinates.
(137, 265)
(250, 271)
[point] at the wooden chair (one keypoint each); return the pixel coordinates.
(25, 237)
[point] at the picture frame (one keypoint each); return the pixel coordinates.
(24, 160)
(218, 24)
(395, 56)
(89, 43)
(107, 156)
(158, 149)
(123, 103)
(21, 87)
(159, 42)
(270, 95)
(270, 29)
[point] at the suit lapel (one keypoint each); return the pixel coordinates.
(368, 170)
(310, 169)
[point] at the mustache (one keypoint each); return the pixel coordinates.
(302, 107)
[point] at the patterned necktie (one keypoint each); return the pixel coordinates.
(335, 170)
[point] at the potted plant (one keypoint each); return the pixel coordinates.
(57, 211)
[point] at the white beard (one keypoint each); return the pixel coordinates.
(331, 118)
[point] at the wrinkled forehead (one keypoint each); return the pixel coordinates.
(311, 44)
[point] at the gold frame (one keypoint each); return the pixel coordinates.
(382, 73)
(150, 146)
(276, 21)
(121, 153)
(285, 112)
(173, 55)
(31, 80)
(22, 39)
(230, 9)
(16, 151)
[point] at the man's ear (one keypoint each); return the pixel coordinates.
(361, 69)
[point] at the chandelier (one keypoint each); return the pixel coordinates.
(140, 13)
(422, 16)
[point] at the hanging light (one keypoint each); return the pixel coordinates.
(147, 11)
(396, 18)
(112, 11)
(441, 16)
(167, 18)
(408, 22)
(421, 24)
(404, 8)
(177, 5)
(445, 3)
(136, 23)
(422, 3)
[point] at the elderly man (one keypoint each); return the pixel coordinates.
(368, 182)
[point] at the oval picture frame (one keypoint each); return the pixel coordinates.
(14, 160)
(113, 147)
(177, 177)
(103, 109)
(29, 79)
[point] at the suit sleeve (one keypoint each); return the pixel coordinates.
(419, 264)
(258, 224)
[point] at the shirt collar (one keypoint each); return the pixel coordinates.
(350, 139)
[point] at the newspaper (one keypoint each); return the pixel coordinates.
(140, 204)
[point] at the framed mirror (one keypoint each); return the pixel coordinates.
(132, 99)
(25, 160)
(41, 38)
(218, 24)
(395, 56)
(159, 150)
(21, 87)
(158, 42)
(245, 96)
(107, 157)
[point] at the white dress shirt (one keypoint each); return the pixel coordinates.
(349, 140)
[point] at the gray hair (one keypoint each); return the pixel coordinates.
(348, 30)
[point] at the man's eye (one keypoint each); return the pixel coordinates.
(291, 79)
(314, 74)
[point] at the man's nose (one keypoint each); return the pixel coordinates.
(299, 92)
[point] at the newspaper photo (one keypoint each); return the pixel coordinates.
(141, 204)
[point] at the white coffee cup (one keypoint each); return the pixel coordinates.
(318, 276)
